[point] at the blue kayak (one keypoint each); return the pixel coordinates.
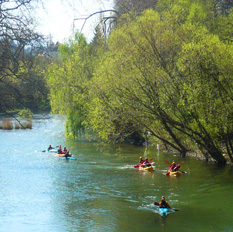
(53, 150)
(164, 211)
(68, 158)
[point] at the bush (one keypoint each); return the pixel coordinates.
(25, 113)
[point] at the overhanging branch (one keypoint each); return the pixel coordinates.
(98, 12)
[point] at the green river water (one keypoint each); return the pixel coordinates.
(102, 191)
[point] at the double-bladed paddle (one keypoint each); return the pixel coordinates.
(137, 166)
(168, 173)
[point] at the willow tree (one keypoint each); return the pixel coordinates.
(144, 82)
(129, 90)
(203, 77)
(68, 82)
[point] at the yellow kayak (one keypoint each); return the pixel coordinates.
(63, 155)
(150, 168)
(173, 173)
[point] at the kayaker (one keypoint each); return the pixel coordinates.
(174, 167)
(59, 150)
(147, 163)
(163, 203)
(67, 154)
(64, 150)
(50, 147)
(141, 161)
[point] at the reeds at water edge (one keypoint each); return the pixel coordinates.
(28, 124)
(17, 126)
(8, 124)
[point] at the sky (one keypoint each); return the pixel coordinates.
(56, 18)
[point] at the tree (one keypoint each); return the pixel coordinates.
(17, 40)
(140, 82)
(68, 82)
(136, 6)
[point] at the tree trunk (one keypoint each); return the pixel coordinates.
(182, 149)
(216, 154)
(228, 146)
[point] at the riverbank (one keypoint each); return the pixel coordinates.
(199, 156)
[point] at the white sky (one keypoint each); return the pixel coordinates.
(57, 17)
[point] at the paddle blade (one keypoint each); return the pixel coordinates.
(136, 166)
(156, 203)
(167, 162)
(151, 159)
(168, 173)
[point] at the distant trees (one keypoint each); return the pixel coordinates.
(222, 7)
(20, 80)
(136, 6)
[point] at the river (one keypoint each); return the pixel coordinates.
(101, 191)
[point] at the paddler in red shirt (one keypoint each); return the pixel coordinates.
(174, 167)
(141, 161)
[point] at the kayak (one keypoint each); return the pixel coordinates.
(62, 155)
(164, 211)
(53, 150)
(177, 173)
(68, 158)
(150, 168)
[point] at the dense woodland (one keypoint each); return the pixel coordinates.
(163, 74)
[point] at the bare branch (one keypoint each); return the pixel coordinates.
(98, 12)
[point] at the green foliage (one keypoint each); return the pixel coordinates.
(68, 82)
(208, 86)
(25, 113)
(74, 125)
(167, 73)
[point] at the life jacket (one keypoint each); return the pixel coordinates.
(163, 204)
(172, 167)
(175, 168)
(141, 161)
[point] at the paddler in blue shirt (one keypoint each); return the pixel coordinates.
(59, 150)
(147, 163)
(67, 154)
(50, 147)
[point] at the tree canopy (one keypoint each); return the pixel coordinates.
(165, 74)
(21, 70)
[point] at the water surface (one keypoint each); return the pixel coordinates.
(101, 191)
